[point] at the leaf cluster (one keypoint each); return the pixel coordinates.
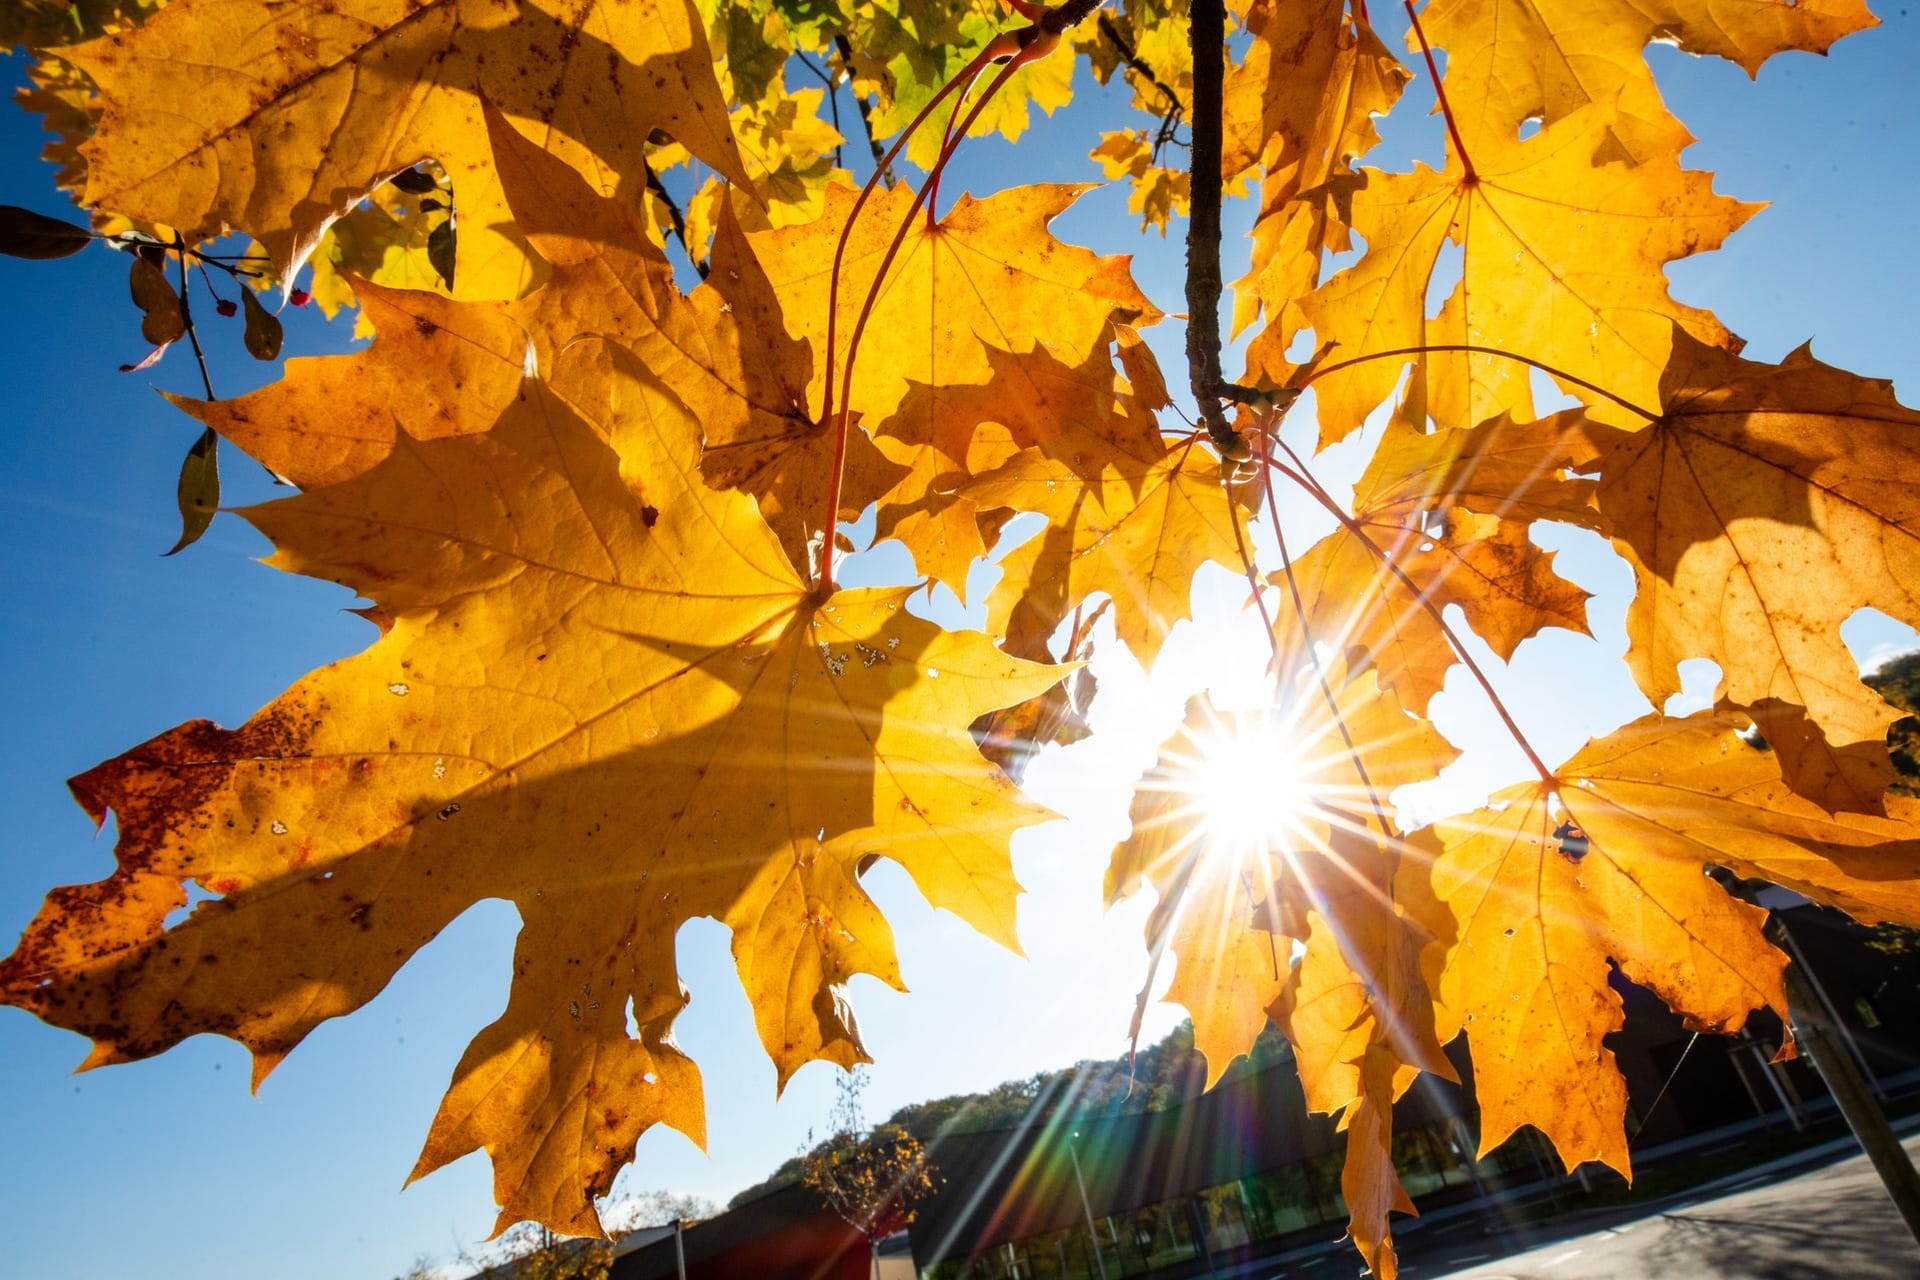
(645, 345)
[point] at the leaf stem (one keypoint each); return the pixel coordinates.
(1304, 478)
(1474, 348)
(946, 142)
(882, 166)
(1440, 93)
(1260, 603)
(1312, 646)
(843, 420)
(1015, 48)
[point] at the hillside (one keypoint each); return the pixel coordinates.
(1162, 1075)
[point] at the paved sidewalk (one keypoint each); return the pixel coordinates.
(1832, 1222)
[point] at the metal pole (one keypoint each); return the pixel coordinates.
(1856, 1102)
(1834, 1019)
(1197, 1223)
(1740, 1069)
(679, 1250)
(1086, 1207)
(1771, 1072)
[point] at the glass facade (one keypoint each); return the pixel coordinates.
(1234, 1216)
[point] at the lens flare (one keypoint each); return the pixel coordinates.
(1251, 785)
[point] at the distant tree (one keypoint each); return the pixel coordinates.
(655, 1209)
(873, 1178)
(1898, 681)
(530, 1251)
(1160, 1076)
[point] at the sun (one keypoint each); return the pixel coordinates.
(1251, 785)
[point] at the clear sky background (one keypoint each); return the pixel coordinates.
(169, 1168)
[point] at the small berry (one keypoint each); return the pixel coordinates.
(226, 306)
(299, 297)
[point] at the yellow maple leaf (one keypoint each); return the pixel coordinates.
(436, 368)
(1233, 902)
(1576, 285)
(1213, 914)
(1137, 529)
(1442, 518)
(984, 280)
(1303, 106)
(389, 239)
(1510, 61)
(1760, 511)
(601, 693)
(441, 368)
(1227, 893)
(1699, 780)
(1555, 883)
(1031, 399)
(936, 315)
(280, 118)
(1359, 1008)
(790, 150)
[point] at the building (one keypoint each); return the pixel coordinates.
(1241, 1173)
(787, 1234)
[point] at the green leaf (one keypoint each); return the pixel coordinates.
(440, 251)
(263, 333)
(163, 319)
(199, 488)
(416, 182)
(26, 234)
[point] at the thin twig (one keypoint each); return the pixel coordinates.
(845, 49)
(833, 105)
(1259, 599)
(207, 280)
(1130, 56)
(186, 315)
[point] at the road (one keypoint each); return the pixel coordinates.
(1832, 1222)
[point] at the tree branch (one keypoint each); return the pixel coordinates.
(674, 216)
(1207, 35)
(1131, 56)
(1062, 17)
(186, 316)
(833, 105)
(845, 49)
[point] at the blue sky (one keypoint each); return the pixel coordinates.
(170, 1168)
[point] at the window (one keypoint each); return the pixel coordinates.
(1323, 1173)
(1280, 1202)
(1224, 1211)
(1162, 1235)
(1426, 1160)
